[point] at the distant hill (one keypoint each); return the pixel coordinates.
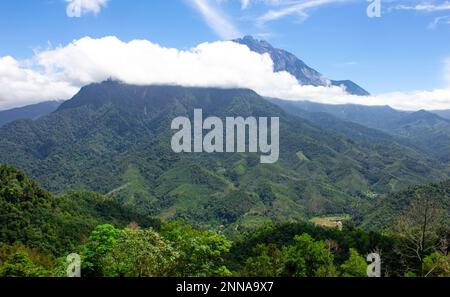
(285, 61)
(325, 118)
(423, 130)
(376, 117)
(114, 139)
(32, 112)
(384, 213)
(442, 113)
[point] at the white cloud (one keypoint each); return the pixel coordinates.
(63, 70)
(78, 8)
(426, 7)
(220, 64)
(21, 86)
(216, 20)
(439, 20)
(286, 8)
(245, 4)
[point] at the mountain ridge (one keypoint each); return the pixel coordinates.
(33, 111)
(424, 130)
(286, 61)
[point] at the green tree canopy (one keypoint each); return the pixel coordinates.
(140, 253)
(200, 252)
(307, 257)
(355, 266)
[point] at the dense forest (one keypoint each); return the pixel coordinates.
(38, 231)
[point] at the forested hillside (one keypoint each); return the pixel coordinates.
(114, 139)
(389, 210)
(55, 224)
(39, 230)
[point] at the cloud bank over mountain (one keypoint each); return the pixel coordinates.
(58, 73)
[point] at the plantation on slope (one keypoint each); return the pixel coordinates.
(114, 139)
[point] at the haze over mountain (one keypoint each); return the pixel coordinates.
(442, 113)
(285, 61)
(114, 138)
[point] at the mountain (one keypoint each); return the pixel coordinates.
(28, 112)
(423, 130)
(386, 211)
(321, 116)
(427, 131)
(442, 113)
(376, 117)
(350, 87)
(285, 61)
(54, 224)
(114, 139)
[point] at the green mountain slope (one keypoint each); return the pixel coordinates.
(114, 139)
(427, 131)
(54, 224)
(385, 212)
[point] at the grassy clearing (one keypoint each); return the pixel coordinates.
(330, 221)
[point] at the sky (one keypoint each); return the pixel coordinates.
(51, 48)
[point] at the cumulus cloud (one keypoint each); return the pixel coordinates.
(21, 86)
(63, 70)
(223, 64)
(78, 8)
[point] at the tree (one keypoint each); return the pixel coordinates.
(267, 263)
(418, 227)
(355, 266)
(101, 241)
(140, 253)
(19, 264)
(200, 252)
(307, 257)
(437, 265)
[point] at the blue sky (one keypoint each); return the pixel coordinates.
(406, 49)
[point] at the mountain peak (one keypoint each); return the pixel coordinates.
(286, 61)
(423, 116)
(254, 43)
